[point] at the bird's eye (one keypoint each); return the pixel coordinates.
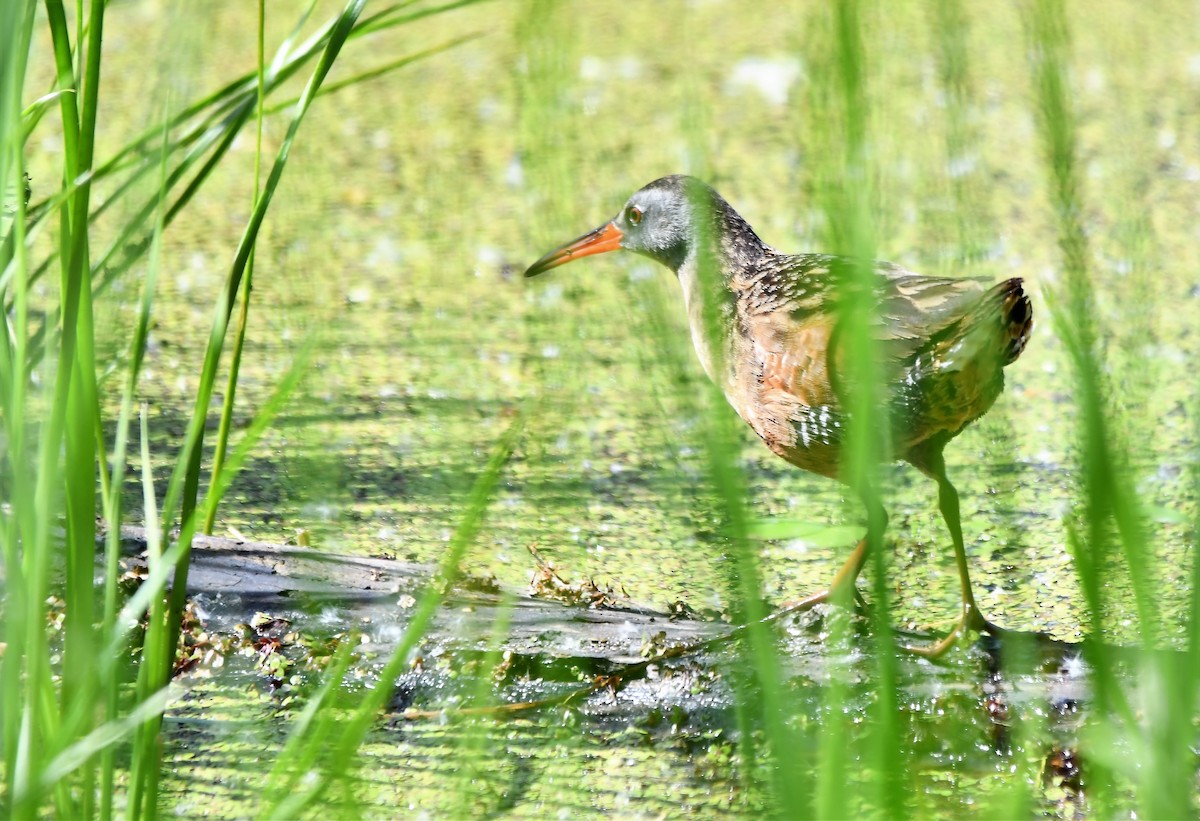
(633, 214)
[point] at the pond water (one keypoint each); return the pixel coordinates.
(586, 710)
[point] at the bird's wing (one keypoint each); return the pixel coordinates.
(915, 310)
(806, 291)
(799, 285)
(910, 309)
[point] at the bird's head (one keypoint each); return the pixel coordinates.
(660, 221)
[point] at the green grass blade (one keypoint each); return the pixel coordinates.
(157, 665)
(382, 70)
(844, 190)
(235, 359)
(103, 738)
(157, 647)
(391, 17)
(258, 426)
(341, 757)
(34, 112)
(311, 732)
(23, 608)
(184, 483)
(1109, 497)
(113, 632)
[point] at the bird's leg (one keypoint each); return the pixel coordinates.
(971, 618)
(842, 588)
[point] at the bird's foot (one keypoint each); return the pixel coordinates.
(971, 621)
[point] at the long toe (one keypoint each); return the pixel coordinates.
(938, 648)
(972, 621)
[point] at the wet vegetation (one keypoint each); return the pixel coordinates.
(488, 546)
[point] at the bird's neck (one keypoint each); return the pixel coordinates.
(706, 273)
(706, 299)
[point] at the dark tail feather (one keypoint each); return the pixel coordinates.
(994, 330)
(1016, 314)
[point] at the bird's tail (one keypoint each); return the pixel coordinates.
(1016, 315)
(990, 334)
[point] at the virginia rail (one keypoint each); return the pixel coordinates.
(765, 326)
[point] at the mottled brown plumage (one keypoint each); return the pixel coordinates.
(767, 328)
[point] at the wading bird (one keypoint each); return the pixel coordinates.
(765, 326)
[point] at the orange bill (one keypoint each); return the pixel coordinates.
(605, 238)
